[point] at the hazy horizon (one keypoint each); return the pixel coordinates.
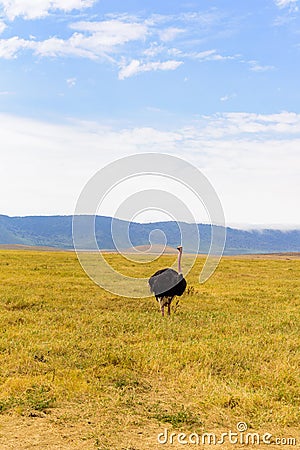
(238, 226)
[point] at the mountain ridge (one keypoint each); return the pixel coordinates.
(56, 231)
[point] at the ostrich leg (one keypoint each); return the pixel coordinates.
(162, 305)
(169, 307)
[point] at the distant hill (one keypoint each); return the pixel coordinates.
(56, 231)
(152, 249)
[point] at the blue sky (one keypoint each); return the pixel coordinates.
(83, 82)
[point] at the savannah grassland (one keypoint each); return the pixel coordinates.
(83, 369)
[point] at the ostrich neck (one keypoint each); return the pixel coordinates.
(179, 262)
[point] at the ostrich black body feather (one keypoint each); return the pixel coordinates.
(167, 283)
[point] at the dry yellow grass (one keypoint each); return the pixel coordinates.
(81, 368)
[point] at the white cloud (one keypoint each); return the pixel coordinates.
(34, 9)
(204, 19)
(285, 3)
(112, 32)
(132, 44)
(237, 124)
(105, 37)
(154, 49)
(227, 97)
(176, 52)
(71, 82)
(206, 55)
(3, 26)
(217, 57)
(255, 175)
(169, 34)
(224, 98)
(9, 48)
(114, 39)
(256, 67)
(77, 45)
(135, 67)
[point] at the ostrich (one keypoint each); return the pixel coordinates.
(166, 283)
